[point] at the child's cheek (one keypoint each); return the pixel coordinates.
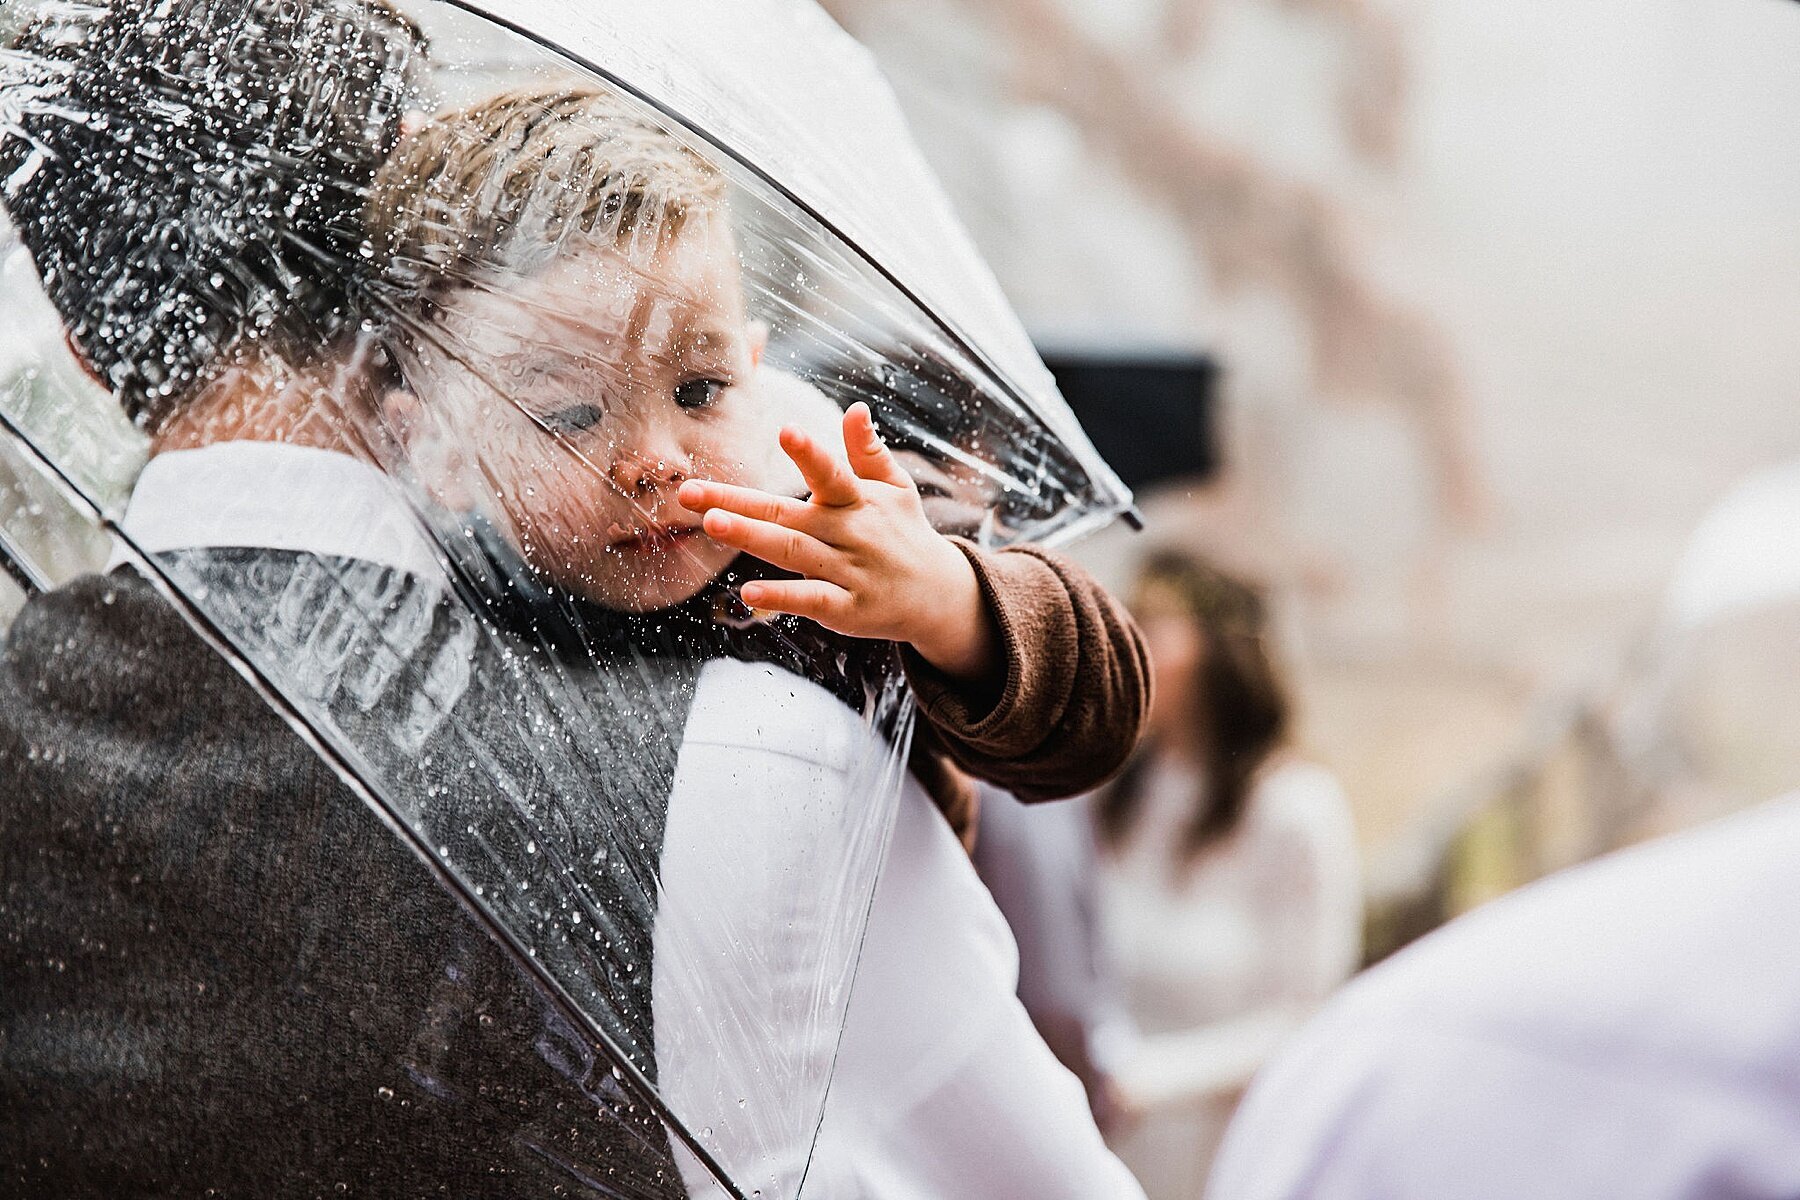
(752, 457)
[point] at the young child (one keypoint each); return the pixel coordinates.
(569, 322)
(572, 329)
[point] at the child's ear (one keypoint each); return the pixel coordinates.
(759, 341)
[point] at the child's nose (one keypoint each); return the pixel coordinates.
(649, 465)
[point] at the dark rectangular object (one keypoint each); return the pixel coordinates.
(1152, 416)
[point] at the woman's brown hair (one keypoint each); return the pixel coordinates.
(1242, 714)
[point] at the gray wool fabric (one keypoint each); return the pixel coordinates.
(220, 974)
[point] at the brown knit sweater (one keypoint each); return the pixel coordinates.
(1066, 713)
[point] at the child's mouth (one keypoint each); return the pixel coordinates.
(655, 539)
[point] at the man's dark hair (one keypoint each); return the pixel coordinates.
(189, 173)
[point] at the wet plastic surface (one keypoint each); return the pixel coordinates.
(507, 843)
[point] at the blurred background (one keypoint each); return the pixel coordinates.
(1467, 331)
(1484, 309)
(1463, 337)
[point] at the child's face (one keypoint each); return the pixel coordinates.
(569, 405)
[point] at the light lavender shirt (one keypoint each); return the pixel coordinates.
(1630, 1028)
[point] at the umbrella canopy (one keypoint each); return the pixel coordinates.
(583, 894)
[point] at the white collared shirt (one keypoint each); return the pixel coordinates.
(275, 496)
(942, 1087)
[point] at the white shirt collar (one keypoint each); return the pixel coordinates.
(275, 496)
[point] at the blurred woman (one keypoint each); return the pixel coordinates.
(1230, 895)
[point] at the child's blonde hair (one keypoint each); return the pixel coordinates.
(503, 186)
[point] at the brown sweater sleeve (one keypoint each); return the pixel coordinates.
(1076, 687)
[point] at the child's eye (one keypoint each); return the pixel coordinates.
(574, 418)
(698, 393)
(933, 491)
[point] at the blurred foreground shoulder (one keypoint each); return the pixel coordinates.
(1071, 704)
(1630, 1027)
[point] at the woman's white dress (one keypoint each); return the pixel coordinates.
(1221, 959)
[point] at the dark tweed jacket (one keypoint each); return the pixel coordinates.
(220, 975)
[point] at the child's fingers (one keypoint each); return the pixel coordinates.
(816, 599)
(701, 495)
(786, 548)
(830, 481)
(869, 456)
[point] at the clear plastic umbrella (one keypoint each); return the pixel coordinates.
(365, 342)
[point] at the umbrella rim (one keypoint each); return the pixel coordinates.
(1115, 497)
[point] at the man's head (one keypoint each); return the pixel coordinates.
(569, 316)
(190, 174)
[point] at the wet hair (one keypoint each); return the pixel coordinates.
(1244, 710)
(188, 174)
(504, 186)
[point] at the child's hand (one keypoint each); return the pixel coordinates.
(873, 565)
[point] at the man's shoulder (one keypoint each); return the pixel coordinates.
(96, 602)
(1649, 991)
(1670, 920)
(101, 637)
(108, 673)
